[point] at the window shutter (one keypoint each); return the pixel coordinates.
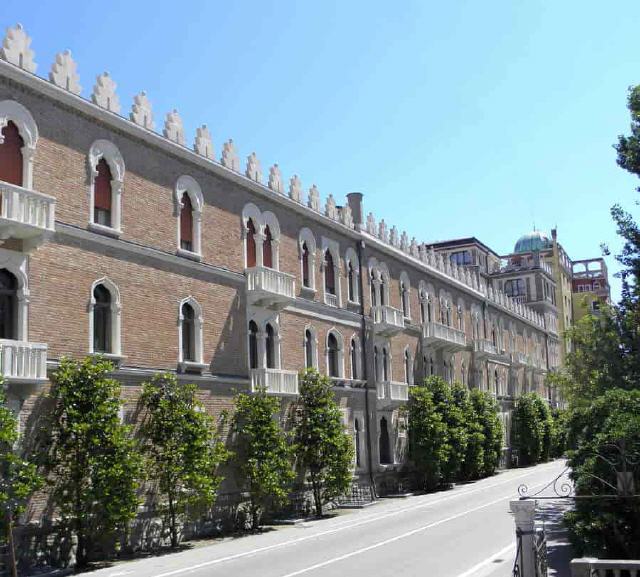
(11, 155)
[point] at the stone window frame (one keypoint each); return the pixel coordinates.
(188, 184)
(13, 111)
(260, 221)
(262, 323)
(17, 264)
(116, 319)
(198, 364)
(306, 236)
(340, 341)
(405, 294)
(408, 366)
(314, 345)
(107, 150)
(358, 354)
(333, 248)
(351, 258)
(426, 294)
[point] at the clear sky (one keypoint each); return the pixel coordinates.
(453, 118)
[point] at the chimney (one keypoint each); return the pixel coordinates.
(355, 204)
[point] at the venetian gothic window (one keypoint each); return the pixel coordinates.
(11, 161)
(106, 169)
(329, 273)
(105, 318)
(18, 139)
(251, 244)
(188, 333)
(267, 248)
(408, 368)
(186, 223)
(384, 443)
(270, 344)
(357, 434)
(351, 282)
(355, 359)
(253, 345)
(333, 355)
(8, 305)
(103, 194)
(306, 272)
(308, 349)
(189, 204)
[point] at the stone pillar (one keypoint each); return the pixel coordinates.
(524, 515)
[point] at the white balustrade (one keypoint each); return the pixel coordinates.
(331, 299)
(392, 391)
(22, 360)
(270, 287)
(387, 318)
(275, 381)
(484, 347)
(30, 213)
(438, 333)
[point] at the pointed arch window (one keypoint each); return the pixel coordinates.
(253, 345)
(383, 290)
(267, 248)
(376, 363)
(102, 320)
(333, 361)
(355, 373)
(103, 194)
(308, 349)
(384, 443)
(385, 365)
(404, 299)
(11, 161)
(270, 346)
(8, 305)
(357, 434)
(188, 333)
(329, 273)
(306, 272)
(372, 282)
(251, 244)
(186, 223)
(408, 368)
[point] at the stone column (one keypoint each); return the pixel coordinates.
(524, 515)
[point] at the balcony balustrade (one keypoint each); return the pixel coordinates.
(23, 365)
(275, 381)
(331, 299)
(26, 214)
(441, 336)
(519, 359)
(270, 288)
(392, 393)
(484, 348)
(387, 320)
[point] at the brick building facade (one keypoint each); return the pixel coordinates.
(122, 241)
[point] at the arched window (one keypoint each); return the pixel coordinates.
(376, 363)
(385, 365)
(102, 320)
(372, 282)
(355, 373)
(253, 345)
(308, 348)
(186, 223)
(495, 381)
(306, 272)
(404, 299)
(494, 337)
(8, 305)
(271, 347)
(329, 274)
(460, 314)
(251, 244)
(267, 248)
(351, 282)
(11, 161)
(358, 433)
(384, 443)
(408, 369)
(383, 290)
(333, 361)
(103, 194)
(188, 333)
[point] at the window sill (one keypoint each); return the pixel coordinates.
(113, 357)
(106, 230)
(191, 367)
(189, 254)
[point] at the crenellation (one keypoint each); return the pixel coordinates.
(330, 209)
(295, 188)
(253, 170)
(314, 199)
(141, 112)
(275, 179)
(104, 93)
(173, 127)
(230, 158)
(203, 144)
(64, 73)
(16, 49)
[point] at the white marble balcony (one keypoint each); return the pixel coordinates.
(519, 359)
(443, 337)
(270, 288)
(484, 348)
(26, 214)
(392, 393)
(275, 381)
(387, 320)
(23, 365)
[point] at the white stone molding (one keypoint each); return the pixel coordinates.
(64, 73)
(314, 198)
(16, 263)
(340, 340)
(106, 149)
(229, 158)
(197, 323)
(13, 111)
(173, 127)
(383, 232)
(414, 251)
(295, 188)
(16, 49)
(394, 240)
(203, 144)
(116, 311)
(104, 93)
(141, 111)
(253, 171)
(371, 224)
(275, 179)
(307, 237)
(188, 184)
(404, 241)
(330, 209)
(346, 216)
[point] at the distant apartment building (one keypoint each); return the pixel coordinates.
(590, 286)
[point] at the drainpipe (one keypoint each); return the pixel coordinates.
(355, 203)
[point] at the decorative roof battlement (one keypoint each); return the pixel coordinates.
(16, 50)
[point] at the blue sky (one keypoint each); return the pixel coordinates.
(453, 118)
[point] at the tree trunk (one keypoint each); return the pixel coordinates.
(172, 522)
(12, 552)
(317, 495)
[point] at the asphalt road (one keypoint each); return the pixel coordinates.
(465, 532)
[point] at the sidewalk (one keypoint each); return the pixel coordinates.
(559, 553)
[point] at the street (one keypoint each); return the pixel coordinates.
(464, 532)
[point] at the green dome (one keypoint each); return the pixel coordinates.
(532, 242)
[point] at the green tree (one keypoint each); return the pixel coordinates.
(453, 418)
(528, 429)
(608, 432)
(261, 452)
(473, 463)
(486, 409)
(182, 449)
(427, 437)
(94, 467)
(19, 476)
(323, 449)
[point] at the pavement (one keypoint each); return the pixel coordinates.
(467, 531)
